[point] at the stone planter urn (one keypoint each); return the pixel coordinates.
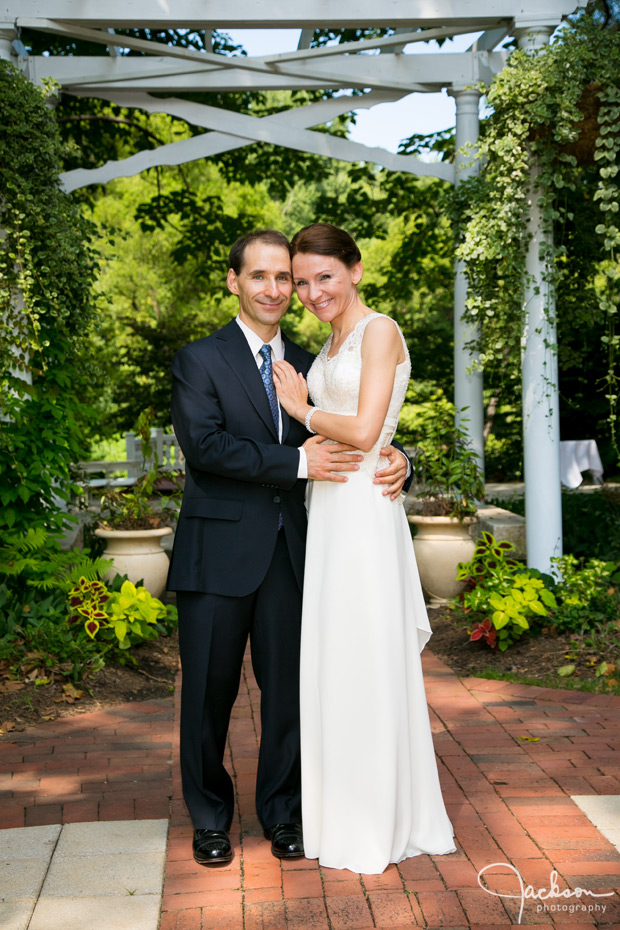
(440, 544)
(139, 555)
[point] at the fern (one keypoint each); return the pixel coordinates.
(37, 559)
(85, 567)
(32, 541)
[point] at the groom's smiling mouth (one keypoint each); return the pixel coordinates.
(271, 305)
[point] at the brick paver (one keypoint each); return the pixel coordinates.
(104, 765)
(508, 797)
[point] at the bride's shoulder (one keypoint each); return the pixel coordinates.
(380, 323)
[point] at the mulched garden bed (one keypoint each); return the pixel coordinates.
(23, 703)
(535, 659)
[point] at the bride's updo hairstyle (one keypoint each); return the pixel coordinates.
(326, 239)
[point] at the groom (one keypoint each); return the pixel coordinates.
(238, 558)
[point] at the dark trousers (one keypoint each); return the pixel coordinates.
(213, 632)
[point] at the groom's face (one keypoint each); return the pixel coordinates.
(264, 285)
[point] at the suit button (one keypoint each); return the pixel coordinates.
(276, 499)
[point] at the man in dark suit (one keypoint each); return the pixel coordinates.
(238, 557)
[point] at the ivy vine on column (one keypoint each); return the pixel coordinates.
(46, 273)
(559, 107)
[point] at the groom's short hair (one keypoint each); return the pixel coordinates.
(268, 236)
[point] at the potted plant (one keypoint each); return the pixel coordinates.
(133, 524)
(447, 485)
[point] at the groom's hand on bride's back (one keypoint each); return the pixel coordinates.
(327, 459)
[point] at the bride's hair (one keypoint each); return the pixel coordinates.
(326, 239)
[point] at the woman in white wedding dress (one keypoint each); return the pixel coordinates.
(370, 787)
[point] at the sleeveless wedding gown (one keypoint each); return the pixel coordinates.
(370, 787)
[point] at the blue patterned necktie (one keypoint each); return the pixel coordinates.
(266, 373)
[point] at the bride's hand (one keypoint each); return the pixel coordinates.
(292, 390)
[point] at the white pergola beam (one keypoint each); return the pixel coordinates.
(488, 40)
(102, 37)
(403, 71)
(157, 74)
(279, 14)
(293, 64)
(305, 38)
(287, 129)
(402, 38)
(141, 45)
(426, 73)
(212, 143)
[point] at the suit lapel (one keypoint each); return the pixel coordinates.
(235, 349)
(293, 354)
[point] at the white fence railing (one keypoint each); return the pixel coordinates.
(124, 474)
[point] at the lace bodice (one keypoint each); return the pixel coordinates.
(334, 386)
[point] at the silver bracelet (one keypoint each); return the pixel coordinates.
(308, 418)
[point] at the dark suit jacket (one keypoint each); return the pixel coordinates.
(238, 476)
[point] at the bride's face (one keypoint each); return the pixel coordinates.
(325, 285)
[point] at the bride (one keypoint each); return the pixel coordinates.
(370, 787)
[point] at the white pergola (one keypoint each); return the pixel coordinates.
(387, 74)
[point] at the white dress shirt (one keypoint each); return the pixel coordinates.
(277, 354)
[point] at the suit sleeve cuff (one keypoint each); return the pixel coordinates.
(408, 461)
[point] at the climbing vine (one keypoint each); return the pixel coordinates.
(559, 109)
(46, 272)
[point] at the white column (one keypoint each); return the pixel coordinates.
(6, 38)
(468, 380)
(539, 367)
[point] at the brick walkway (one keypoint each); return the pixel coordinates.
(509, 798)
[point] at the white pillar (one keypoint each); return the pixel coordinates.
(7, 36)
(467, 379)
(539, 367)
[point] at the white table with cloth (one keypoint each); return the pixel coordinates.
(577, 456)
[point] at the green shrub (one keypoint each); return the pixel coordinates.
(42, 590)
(47, 268)
(587, 594)
(507, 599)
(34, 630)
(590, 522)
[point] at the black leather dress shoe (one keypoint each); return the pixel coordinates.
(286, 840)
(211, 847)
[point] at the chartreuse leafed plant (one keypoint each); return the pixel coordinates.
(506, 596)
(123, 617)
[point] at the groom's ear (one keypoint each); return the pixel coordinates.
(231, 282)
